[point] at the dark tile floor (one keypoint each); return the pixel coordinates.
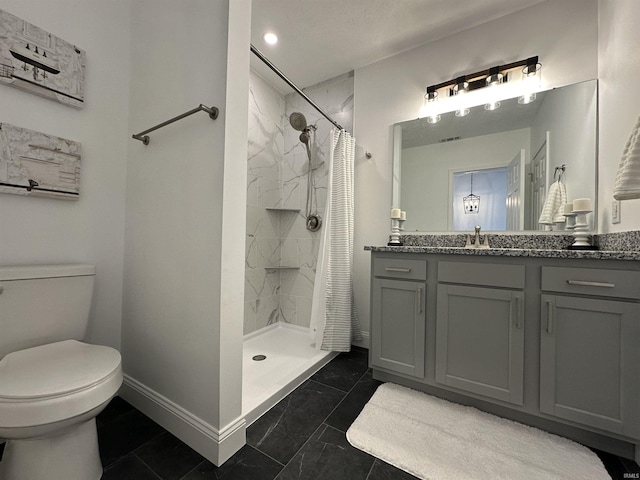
(302, 437)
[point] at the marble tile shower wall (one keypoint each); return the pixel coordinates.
(265, 151)
(277, 178)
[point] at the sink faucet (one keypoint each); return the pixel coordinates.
(476, 241)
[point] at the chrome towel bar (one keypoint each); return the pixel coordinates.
(144, 138)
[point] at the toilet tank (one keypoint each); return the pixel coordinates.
(43, 304)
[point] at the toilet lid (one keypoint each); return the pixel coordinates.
(55, 369)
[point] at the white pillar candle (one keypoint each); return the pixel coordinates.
(582, 205)
(403, 215)
(568, 208)
(395, 213)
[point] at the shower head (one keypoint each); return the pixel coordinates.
(298, 121)
(304, 138)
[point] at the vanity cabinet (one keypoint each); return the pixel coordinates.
(480, 329)
(398, 317)
(589, 349)
(547, 341)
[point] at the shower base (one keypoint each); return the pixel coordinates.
(291, 358)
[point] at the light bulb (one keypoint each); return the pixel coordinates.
(270, 38)
(527, 98)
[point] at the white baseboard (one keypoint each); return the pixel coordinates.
(215, 445)
(364, 343)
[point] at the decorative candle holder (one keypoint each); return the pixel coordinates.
(570, 223)
(580, 232)
(394, 238)
(401, 224)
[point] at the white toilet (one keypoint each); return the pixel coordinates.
(52, 385)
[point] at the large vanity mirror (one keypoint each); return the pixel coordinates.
(494, 168)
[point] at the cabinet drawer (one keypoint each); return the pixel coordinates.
(590, 281)
(485, 274)
(400, 268)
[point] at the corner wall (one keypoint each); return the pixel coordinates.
(564, 33)
(186, 197)
(91, 230)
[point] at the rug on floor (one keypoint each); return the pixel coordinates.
(435, 439)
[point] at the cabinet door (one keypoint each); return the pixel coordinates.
(398, 326)
(590, 362)
(480, 341)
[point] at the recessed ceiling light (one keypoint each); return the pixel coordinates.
(270, 38)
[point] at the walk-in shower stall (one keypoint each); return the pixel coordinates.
(288, 157)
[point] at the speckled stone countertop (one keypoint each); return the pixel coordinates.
(613, 246)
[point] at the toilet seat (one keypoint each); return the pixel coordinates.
(55, 382)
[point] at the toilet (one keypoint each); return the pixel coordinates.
(52, 385)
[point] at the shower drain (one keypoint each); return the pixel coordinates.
(259, 358)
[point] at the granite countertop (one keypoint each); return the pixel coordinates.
(613, 246)
(513, 252)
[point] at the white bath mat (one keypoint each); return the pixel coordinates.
(435, 439)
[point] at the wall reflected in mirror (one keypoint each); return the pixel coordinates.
(433, 163)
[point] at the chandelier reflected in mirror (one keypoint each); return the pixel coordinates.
(471, 202)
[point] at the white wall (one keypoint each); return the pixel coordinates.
(90, 230)
(184, 279)
(563, 33)
(619, 70)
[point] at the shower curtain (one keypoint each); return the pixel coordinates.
(334, 320)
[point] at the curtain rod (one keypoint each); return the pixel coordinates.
(275, 69)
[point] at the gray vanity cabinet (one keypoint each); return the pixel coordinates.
(551, 342)
(480, 329)
(590, 348)
(398, 317)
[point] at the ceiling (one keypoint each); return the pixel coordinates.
(321, 39)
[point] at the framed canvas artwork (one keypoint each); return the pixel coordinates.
(37, 164)
(36, 61)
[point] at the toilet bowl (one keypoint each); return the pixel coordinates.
(49, 398)
(51, 392)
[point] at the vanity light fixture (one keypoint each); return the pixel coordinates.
(431, 95)
(429, 98)
(471, 202)
(494, 105)
(531, 77)
(460, 88)
(494, 78)
(486, 87)
(435, 118)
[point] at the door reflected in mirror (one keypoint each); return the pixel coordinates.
(433, 163)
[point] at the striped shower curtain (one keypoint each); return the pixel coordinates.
(334, 321)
